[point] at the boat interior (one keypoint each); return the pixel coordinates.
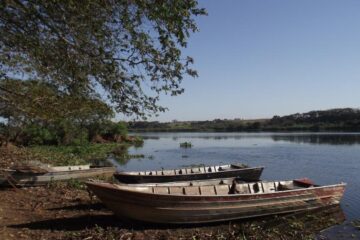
(193, 170)
(69, 168)
(221, 187)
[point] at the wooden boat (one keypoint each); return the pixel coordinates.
(211, 203)
(205, 182)
(195, 173)
(27, 177)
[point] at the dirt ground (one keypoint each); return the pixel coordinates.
(67, 212)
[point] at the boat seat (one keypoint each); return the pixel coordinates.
(211, 169)
(202, 170)
(256, 188)
(207, 190)
(276, 186)
(144, 189)
(168, 172)
(268, 187)
(222, 189)
(241, 189)
(161, 190)
(191, 191)
(176, 190)
(195, 170)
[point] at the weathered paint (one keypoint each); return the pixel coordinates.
(227, 171)
(182, 209)
(28, 179)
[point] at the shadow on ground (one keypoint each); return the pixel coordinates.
(96, 215)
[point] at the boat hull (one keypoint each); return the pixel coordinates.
(28, 179)
(246, 174)
(177, 209)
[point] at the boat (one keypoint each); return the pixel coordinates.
(35, 176)
(222, 201)
(204, 182)
(193, 173)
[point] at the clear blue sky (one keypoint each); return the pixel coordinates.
(259, 58)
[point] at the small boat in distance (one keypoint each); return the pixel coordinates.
(29, 176)
(194, 173)
(214, 203)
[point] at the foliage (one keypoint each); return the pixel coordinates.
(186, 145)
(131, 51)
(216, 125)
(40, 114)
(71, 155)
(119, 129)
(111, 129)
(39, 135)
(346, 119)
(84, 154)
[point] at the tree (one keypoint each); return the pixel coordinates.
(129, 50)
(31, 107)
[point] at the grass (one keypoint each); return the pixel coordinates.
(84, 154)
(73, 155)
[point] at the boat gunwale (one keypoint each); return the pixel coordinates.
(84, 170)
(110, 186)
(133, 173)
(93, 169)
(40, 179)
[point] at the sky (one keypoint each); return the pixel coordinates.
(260, 58)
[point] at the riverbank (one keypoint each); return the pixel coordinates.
(66, 211)
(65, 155)
(63, 211)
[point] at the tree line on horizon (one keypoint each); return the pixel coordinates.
(340, 119)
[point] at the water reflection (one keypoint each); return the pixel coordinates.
(151, 137)
(310, 138)
(138, 144)
(117, 161)
(336, 139)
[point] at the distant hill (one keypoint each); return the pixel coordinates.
(340, 119)
(332, 119)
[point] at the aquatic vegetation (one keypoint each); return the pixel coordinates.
(186, 145)
(135, 156)
(72, 155)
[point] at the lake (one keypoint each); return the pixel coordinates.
(327, 158)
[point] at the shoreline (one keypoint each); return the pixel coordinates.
(64, 212)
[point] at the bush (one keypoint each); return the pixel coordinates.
(119, 128)
(186, 145)
(39, 135)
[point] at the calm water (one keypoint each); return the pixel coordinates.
(327, 158)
